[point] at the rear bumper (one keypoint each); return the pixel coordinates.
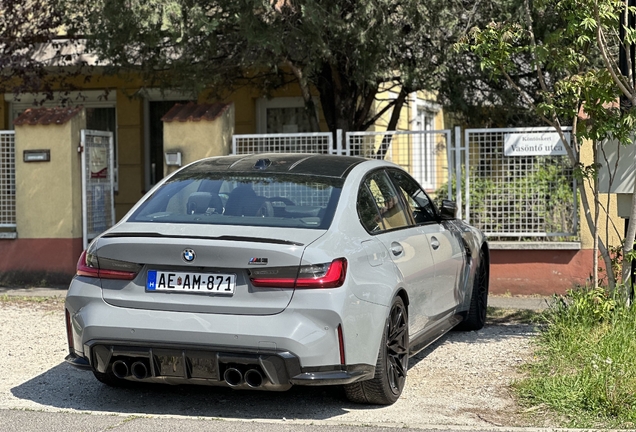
(207, 366)
(297, 346)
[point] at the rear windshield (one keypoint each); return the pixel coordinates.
(272, 200)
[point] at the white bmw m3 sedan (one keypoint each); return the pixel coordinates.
(272, 270)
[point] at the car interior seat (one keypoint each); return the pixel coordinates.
(243, 201)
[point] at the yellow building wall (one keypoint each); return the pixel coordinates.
(199, 139)
(49, 194)
(610, 228)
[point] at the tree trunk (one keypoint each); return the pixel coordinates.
(310, 106)
(395, 117)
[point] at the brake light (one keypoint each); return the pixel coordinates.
(328, 275)
(88, 265)
(334, 276)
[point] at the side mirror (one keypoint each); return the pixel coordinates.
(448, 210)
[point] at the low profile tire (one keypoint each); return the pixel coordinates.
(476, 316)
(390, 371)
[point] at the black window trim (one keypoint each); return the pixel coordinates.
(437, 219)
(409, 216)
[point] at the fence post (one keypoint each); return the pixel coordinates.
(458, 170)
(449, 159)
(234, 144)
(467, 182)
(339, 147)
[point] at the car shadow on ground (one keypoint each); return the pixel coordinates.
(64, 387)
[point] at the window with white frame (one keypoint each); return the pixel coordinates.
(423, 153)
(282, 115)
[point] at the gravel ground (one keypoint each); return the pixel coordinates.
(460, 380)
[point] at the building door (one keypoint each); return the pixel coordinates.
(156, 110)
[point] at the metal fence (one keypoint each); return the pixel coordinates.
(520, 184)
(7, 183)
(513, 184)
(424, 154)
(320, 142)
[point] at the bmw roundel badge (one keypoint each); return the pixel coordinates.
(188, 255)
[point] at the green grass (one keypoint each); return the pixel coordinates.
(585, 368)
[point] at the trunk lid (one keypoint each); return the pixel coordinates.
(218, 250)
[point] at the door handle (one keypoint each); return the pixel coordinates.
(434, 243)
(396, 249)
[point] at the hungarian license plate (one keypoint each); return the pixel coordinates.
(197, 283)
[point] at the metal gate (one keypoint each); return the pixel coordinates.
(7, 184)
(518, 182)
(98, 183)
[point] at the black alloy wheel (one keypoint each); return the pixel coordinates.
(476, 316)
(397, 348)
(391, 368)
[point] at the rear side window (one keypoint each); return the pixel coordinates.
(368, 212)
(385, 196)
(273, 200)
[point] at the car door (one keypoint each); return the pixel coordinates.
(383, 213)
(445, 247)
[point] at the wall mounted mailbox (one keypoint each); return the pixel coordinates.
(173, 158)
(37, 155)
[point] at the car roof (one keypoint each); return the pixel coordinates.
(292, 163)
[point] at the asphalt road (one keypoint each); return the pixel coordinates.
(39, 421)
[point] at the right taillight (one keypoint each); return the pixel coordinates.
(89, 265)
(327, 275)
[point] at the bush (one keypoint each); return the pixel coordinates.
(586, 360)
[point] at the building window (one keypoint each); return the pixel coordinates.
(424, 154)
(282, 115)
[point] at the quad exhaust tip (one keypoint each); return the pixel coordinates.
(139, 370)
(120, 369)
(233, 377)
(253, 378)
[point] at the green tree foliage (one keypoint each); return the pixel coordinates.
(572, 48)
(348, 51)
(472, 95)
(34, 54)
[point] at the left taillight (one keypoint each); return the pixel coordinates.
(326, 275)
(89, 265)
